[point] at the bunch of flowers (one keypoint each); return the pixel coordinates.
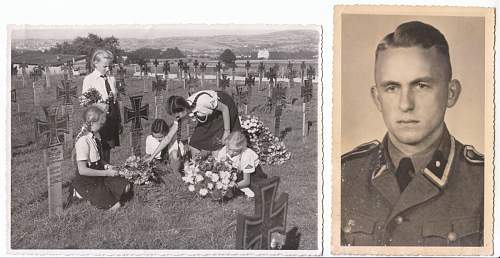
(207, 177)
(138, 171)
(91, 96)
(271, 149)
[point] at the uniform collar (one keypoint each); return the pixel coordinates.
(437, 169)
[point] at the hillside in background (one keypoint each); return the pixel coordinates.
(287, 41)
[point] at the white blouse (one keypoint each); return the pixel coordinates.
(86, 149)
(246, 161)
(94, 80)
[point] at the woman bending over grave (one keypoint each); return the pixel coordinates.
(244, 159)
(100, 80)
(96, 180)
(160, 130)
(216, 115)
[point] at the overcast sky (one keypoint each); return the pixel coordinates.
(146, 31)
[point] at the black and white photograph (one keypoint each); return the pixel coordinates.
(165, 137)
(416, 129)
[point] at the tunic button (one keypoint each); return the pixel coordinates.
(438, 164)
(399, 220)
(452, 236)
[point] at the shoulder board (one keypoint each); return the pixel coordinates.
(360, 150)
(472, 155)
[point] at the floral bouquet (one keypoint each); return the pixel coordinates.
(271, 149)
(90, 97)
(210, 178)
(138, 171)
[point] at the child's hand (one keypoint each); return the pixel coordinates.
(224, 136)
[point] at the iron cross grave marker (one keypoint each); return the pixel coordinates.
(254, 232)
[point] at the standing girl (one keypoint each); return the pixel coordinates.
(96, 180)
(106, 86)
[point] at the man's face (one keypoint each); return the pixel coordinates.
(411, 92)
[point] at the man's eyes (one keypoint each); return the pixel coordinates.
(422, 85)
(391, 87)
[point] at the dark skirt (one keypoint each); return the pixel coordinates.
(101, 191)
(110, 131)
(207, 136)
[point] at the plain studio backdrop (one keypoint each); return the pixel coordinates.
(362, 122)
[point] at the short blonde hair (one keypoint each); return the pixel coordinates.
(236, 141)
(101, 54)
(93, 114)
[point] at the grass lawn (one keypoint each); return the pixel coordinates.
(165, 216)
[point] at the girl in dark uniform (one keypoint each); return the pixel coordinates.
(216, 115)
(96, 180)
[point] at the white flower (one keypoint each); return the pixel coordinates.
(224, 174)
(218, 185)
(210, 186)
(191, 188)
(215, 178)
(185, 179)
(234, 176)
(225, 181)
(208, 174)
(203, 191)
(199, 178)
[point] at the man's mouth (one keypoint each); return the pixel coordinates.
(408, 121)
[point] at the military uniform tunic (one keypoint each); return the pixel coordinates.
(441, 206)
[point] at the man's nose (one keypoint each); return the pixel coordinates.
(406, 99)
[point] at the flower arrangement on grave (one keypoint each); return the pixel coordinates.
(207, 177)
(139, 172)
(89, 97)
(271, 149)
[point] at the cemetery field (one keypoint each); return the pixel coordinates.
(164, 216)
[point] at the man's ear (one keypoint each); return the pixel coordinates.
(454, 89)
(375, 97)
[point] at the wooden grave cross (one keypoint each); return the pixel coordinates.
(247, 67)
(306, 94)
(67, 93)
(158, 86)
(311, 72)
(242, 96)
(166, 68)
(291, 73)
(224, 82)
(233, 70)
(278, 97)
(156, 63)
(250, 83)
(255, 232)
(180, 64)
(196, 64)
(203, 68)
(185, 68)
(218, 67)
(135, 114)
(262, 68)
(54, 129)
(302, 69)
(13, 99)
(272, 80)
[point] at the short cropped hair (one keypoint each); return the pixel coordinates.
(419, 34)
(100, 54)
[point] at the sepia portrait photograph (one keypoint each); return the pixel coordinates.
(413, 143)
(165, 139)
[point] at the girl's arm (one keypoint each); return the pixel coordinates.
(164, 143)
(85, 171)
(225, 116)
(245, 182)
